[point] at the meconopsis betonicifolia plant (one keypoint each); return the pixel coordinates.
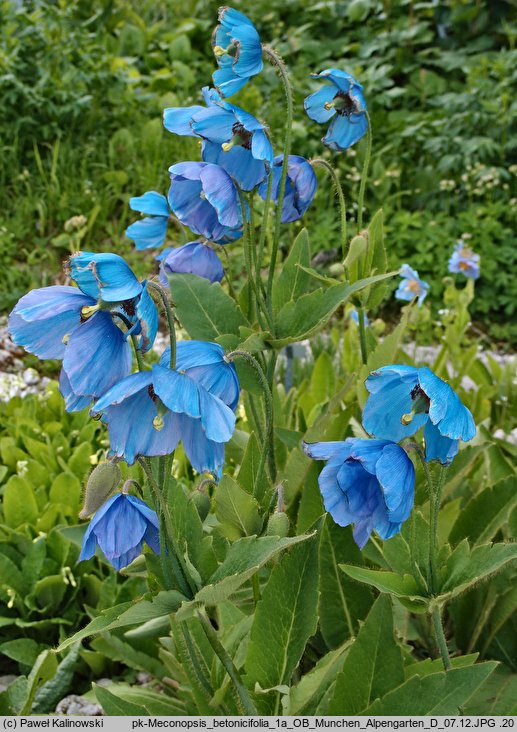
(220, 288)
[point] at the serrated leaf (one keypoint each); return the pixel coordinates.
(376, 260)
(286, 616)
(302, 318)
(114, 706)
(118, 650)
(343, 602)
(204, 309)
(374, 662)
(497, 696)
(388, 582)
(245, 557)
(466, 567)
(237, 510)
(307, 694)
(436, 694)
(97, 625)
(485, 514)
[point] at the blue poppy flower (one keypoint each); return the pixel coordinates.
(233, 138)
(367, 483)
(205, 362)
(204, 198)
(120, 528)
(340, 99)
(411, 286)
(300, 186)
(238, 51)
(404, 398)
(149, 412)
(464, 261)
(193, 258)
(150, 232)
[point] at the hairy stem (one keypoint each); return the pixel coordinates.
(341, 197)
(364, 175)
(170, 321)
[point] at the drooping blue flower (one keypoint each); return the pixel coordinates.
(150, 232)
(238, 51)
(340, 99)
(411, 286)
(204, 198)
(404, 398)
(232, 138)
(120, 528)
(300, 186)
(367, 483)
(149, 412)
(464, 261)
(193, 258)
(205, 362)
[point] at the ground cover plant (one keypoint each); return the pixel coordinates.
(296, 496)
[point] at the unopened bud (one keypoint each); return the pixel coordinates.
(201, 501)
(102, 481)
(278, 524)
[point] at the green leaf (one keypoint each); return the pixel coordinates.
(376, 260)
(66, 490)
(499, 467)
(97, 625)
(19, 502)
(293, 282)
(485, 514)
(247, 474)
(245, 557)
(435, 665)
(394, 584)
(497, 696)
(204, 309)
(22, 650)
(307, 694)
(343, 602)
(285, 617)
(114, 706)
(355, 250)
(152, 702)
(302, 318)
(116, 649)
(466, 567)
(436, 694)
(54, 690)
(323, 378)
(374, 662)
(237, 510)
(43, 670)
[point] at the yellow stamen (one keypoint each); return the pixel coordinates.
(65, 338)
(158, 423)
(407, 418)
(88, 310)
(227, 146)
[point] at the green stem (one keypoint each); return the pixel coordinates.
(170, 321)
(341, 197)
(268, 402)
(252, 284)
(228, 665)
(435, 498)
(185, 582)
(364, 175)
(275, 59)
(362, 335)
(138, 354)
(263, 230)
(440, 639)
(256, 589)
(271, 382)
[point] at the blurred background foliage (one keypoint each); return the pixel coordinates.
(83, 85)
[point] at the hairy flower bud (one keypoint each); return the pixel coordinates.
(103, 479)
(278, 524)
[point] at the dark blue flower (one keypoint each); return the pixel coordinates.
(233, 138)
(368, 483)
(238, 51)
(193, 258)
(341, 98)
(411, 286)
(204, 198)
(120, 528)
(404, 398)
(149, 412)
(205, 362)
(150, 232)
(464, 261)
(300, 186)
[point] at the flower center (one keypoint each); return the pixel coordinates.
(342, 103)
(88, 310)
(241, 137)
(421, 404)
(161, 409)
(413, 286)
(228, 51)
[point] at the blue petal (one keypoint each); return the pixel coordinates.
(343, 132)
(396, 475)
(327, 450)
(152, 538)
(238, 162)
(120, 529)
(248, 58)
(194, 258)
(151, 204)
(148, 233)
(217, 418)
(73, 402)
(147, 316)
(205, 455)
(446, 411)
(368, 452)
(315, 104)
(214, 124)
(222, 194)
(362, 532)
(261, 147)
(177, 120)
(390, 398)
(148, 513)
(89, 545)
(97, 356)
(177, 391)
(122, 390)
(334, 500)
(43, 317)
(108, 275)
(438, 447)
(227, 82)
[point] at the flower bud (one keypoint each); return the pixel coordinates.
(201, 501)
(278, 524)
(102, 481)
